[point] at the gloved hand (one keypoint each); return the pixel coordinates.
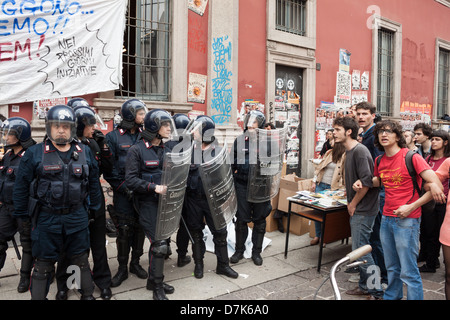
(99, 137)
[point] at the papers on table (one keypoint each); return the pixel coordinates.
(324, 199)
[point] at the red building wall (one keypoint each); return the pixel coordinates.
(252, 51)
(343, 24)
(198, 49)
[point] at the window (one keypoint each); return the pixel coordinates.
(291, 16)
(146, 60)
(385, 71)
(443, 82)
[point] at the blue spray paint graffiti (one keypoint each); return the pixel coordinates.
(221, 83)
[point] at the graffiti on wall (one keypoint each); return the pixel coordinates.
(222, 92)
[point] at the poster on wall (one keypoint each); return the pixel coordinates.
(198, 6)
(356, 80)
(40, 107)
(197, 87)
(60, 49)
(365, 80)
(343, 90)
(359, 96)
(344, 60)
(246, 107)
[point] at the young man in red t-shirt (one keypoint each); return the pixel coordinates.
(400, 223)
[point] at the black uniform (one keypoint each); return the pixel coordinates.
(143, 174)
(247, 211)
(97, 225)
(198, 212)
(64, 187)
(130, 233)
(9, 225)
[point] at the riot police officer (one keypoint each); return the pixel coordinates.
(57, 184)
(247, 211)
(87, 119)
(16, 139)
(130, 234)
(181, 121)
(197, 207)
(143, 176)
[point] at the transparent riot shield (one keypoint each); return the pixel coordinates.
(218, 183)
(174, 178)
(265, 173)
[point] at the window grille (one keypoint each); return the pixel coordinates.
(146, 58)
(443, 82)
(291, 16)
(385, 71)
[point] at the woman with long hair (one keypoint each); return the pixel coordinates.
(329, 174)
(433, 216)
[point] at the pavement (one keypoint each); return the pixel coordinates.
(279, 278)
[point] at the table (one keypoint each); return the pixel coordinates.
(337, 216)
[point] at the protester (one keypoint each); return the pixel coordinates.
(362, 204)
(329, 175)
(402, 210)
(433, 215)
(410, 140)
(366, 115)
(422, 133)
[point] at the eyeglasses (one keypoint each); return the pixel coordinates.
(388, 131)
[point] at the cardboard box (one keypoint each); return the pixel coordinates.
(289, 185)
(299, 226)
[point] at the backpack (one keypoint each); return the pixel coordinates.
(412, 172)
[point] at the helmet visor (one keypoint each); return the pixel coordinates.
(60, 131)
(9, 136)
(253, 121)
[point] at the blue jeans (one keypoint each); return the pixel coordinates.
(400, 241)
(369, 274)
(375, 241)
(317, 225)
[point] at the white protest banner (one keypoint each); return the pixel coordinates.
(59, 48)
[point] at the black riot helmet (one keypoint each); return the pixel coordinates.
(85, 116)
(153, 121)
(181, 120)
(251, 117)
(60, 116)
(77, 102)
(204, 127)
(128, 112)
(18, 127)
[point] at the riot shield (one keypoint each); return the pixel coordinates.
(218, 183)
(264, 175)
(174, 178)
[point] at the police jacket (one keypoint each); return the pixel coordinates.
(102, 155)
(9, 166)
(119, 142)
(241, 157)
(65, 185)
(194, 185)
(144, 169)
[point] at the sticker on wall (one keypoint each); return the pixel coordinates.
(344, 60)
(197, 87)
(198, 6)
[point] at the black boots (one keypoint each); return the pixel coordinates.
(221, 250)
(241, 230)
(198, 251)
(259, 230)
(123, 251)
(158, 251)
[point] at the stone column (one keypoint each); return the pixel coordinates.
(223, 40)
